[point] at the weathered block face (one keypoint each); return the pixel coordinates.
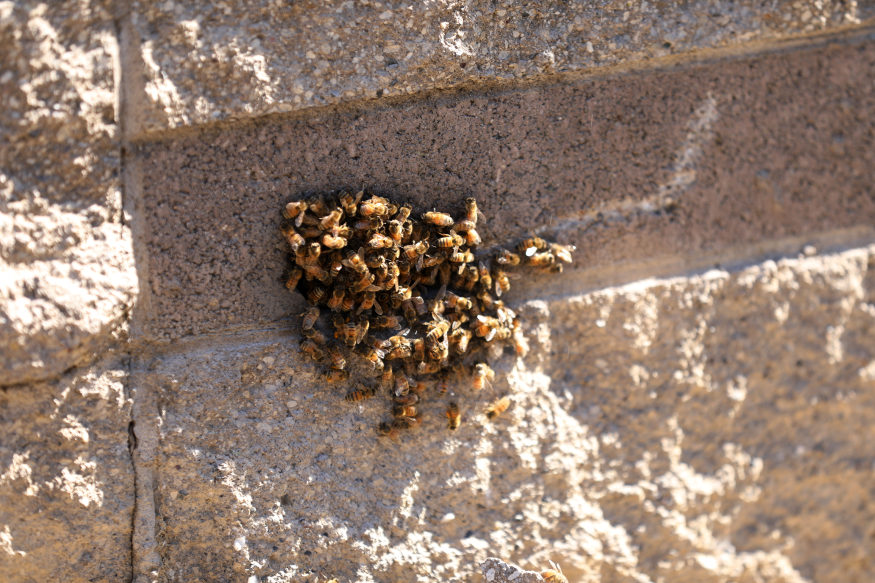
(627, 169)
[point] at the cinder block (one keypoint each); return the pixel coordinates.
(699, 426)
(633, 168)
(207, 62)
(67, 262)
(66, 478)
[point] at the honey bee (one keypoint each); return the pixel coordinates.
(389, 430)
(335, 375)
(562, 252)
(350, 203)
(315, 335)
(293, 279)
(336, 358)
(554, 575)
(502, 281)
(486, 299)
(472, 238)
(436, 329)
(443, 385)
(348, 303)
(482, 376)
(403, 213)
(387, 322)
(497, 407)
(520, 343)
(319, 273)
(454, 416)
(532, 245)
(461, 338)
(310, 232)
(318, 207)
(439, 219)
(462, 257)
(402, 385)
(440, 350)
(388, 377)
(309, 347)
(471, 210)
(378, 241)
(412, 422)
(310, 317)
(409, 311)
(296, 241)
(445, 271)
(316, 295)
(458, 302)
(368, 302)
(396, 231)
(404, 411)
(505, 257)
(465, 226)
(336, 299)
(374, 356)
(373, 206)
(331, 219)
(332, 242)
(451, 240)
(309, 220)
(335, 264)
(371, 224)
(418, 349)
(542, 259)
(470, 278)
(360, 395)
(365, 283)
(410, 399)
(295, 210)
(415, 251)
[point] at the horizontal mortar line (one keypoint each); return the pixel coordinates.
(848, 34)
(571, 284)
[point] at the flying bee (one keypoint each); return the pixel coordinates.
(403, 213)
(472, 238)
(371, 224)
(395, 231)
(387, 322)
(482, 376)
(404, 410)
(310, 317)
(360, 394)
(439, 219)
(309, 347)
(293, 279)
(373, 206)
(331, 219)
(336, 299)
(451, 240)
(410, 399)
(454, 416)
(554, 575)
(542, 259)
(497, 407)
(295, 240)
(315, 335)
(332, 242)
(532, 245)
(562, 252)
(316, 295)
(350, 203)
(295, 210)
(505, 257)
(402, 385)
(335, 375)
(388, 430)
(339, 362)
(462, 257)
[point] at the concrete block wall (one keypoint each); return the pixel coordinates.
(696, 404)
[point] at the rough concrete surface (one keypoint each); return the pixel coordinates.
(66, 259)
(750, 150)
(497, 571)
(711, 427)
(209, 61)
(66, 478)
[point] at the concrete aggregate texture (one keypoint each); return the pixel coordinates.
(653, 436)
(209, 61)
(719, 153)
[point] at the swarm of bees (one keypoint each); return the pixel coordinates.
(408, 296)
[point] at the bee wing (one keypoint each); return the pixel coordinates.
(442, 292)
(419, 262)
(530, 251)
(497, 288)
(404, 332)
(378, 309)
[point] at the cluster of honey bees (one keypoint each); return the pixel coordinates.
(406, 295)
